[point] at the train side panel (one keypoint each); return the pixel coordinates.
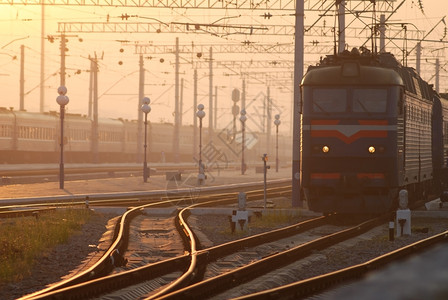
(160, 141)
(27, 137)
(418, 166)
(37, 137)
(110, 136)
(78, 132)
(130, 141)
(7, 134)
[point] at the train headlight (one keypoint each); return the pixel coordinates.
(372, 149)
(325, 149)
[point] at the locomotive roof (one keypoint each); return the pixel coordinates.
(374, 69)
(351, 67)
(368, 75)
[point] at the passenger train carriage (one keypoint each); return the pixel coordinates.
(30, 137)
(367, 133)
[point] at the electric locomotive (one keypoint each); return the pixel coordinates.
(366, 133)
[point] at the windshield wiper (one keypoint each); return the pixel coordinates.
(363, 107)
(321, 108)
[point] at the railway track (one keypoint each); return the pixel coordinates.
(119, 245)
(252, 279)
(192, 266)
(212, 272)
(138, 197)
(315, 285)
(49, 169)
(17, 174)
(239, 275)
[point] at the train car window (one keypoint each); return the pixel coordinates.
(370, 100)
(329, 100)
(6, 130)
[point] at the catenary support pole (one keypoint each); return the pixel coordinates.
(297, 119)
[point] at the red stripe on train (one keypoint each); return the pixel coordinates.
(325, 175)
(370, 175)
(349, 139)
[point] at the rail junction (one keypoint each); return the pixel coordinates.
(158, 250)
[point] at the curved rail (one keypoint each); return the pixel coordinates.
(106, 263)
(190, 273)
(85, 285)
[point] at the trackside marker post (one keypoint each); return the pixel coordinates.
(403, 215)
(265, 171)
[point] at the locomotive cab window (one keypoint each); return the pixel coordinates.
(369, 100)
(349, 100)
(329, 100)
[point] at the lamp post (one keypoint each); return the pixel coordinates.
(62, 100)
(243, 119)
(145, 109)
(276, 122)
(200, 114)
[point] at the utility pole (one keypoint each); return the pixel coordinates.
(141, 93)
(341, 19)
(195, 104)
(297, 127)
(268, 120)
(22, 77)
(418, 54)
(243, 95)
(382, 33)
(437, 74)
(215, 119)
(63, 47)
(90, 89)
(176, 107)
(210, 91)
(42, 59)
(181, 103)
(95, 137)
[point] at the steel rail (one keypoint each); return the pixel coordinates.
(195, 270)
(87, 284)
(105, 263)
(36, 170)
(50, 170)
(220, 283)
(189, 275)
(24, 212)
(317, 284)
(79, 199)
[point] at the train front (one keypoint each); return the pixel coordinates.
(350, 143)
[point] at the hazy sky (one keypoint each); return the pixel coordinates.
(118, 76)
